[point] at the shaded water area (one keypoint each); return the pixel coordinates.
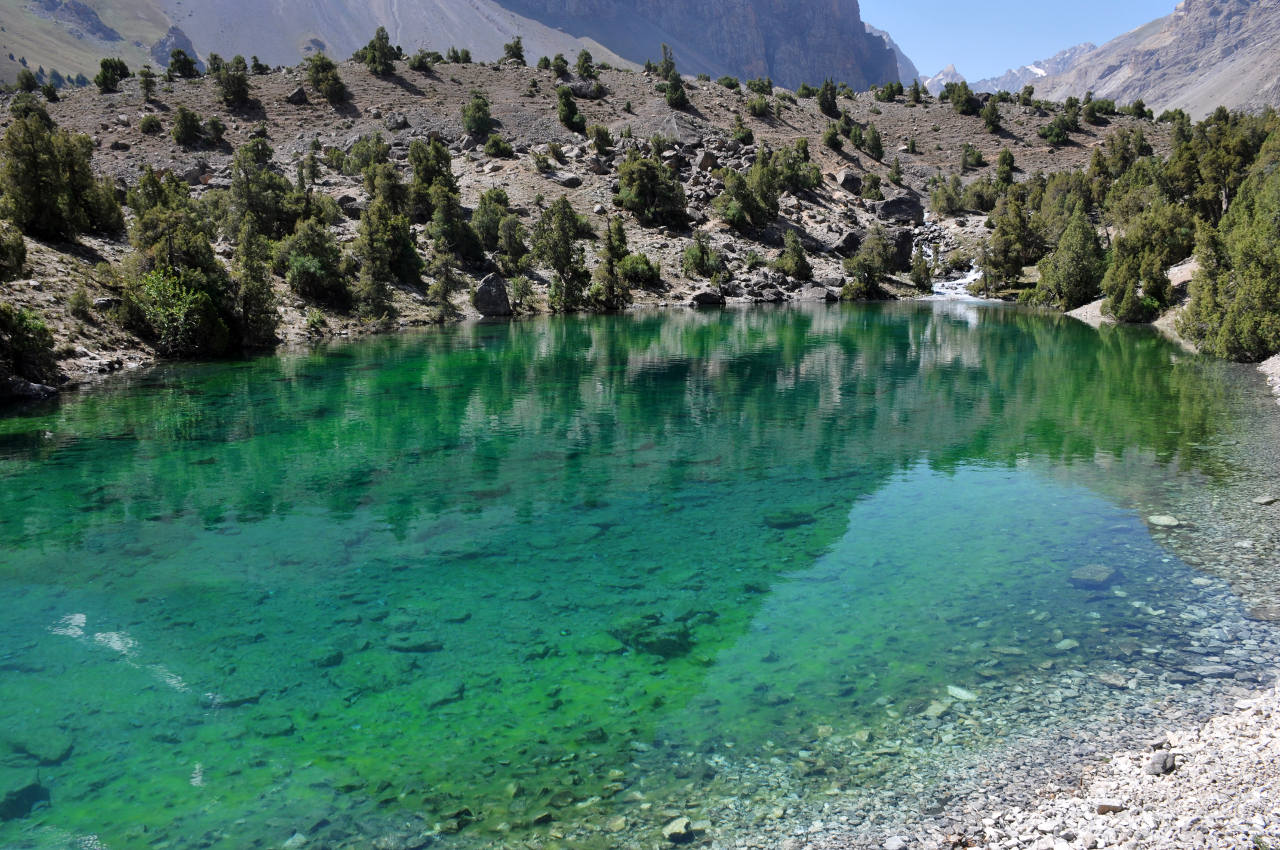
(518, 584)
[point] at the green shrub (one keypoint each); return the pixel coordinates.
(700, 259)
(186, 127)
(497, 146)
(26, 345)
(600, 138)
(567, 110)
(831, 138)
(378, 55)
(423, 60)
(639, 272)
(761, 86)
(182, 65)
(793, 262)
(758, 106)
(13, 251)
(647, 188)
(728, 82)
(150, 125)
(323, 75)
(47, 184)
(110, 73)
(476, 119)
(514, 51)
(311, 263)
(182, 321)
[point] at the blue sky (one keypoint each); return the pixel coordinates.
(987, 37)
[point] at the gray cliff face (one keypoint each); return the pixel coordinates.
(907, 70)
(790, 42)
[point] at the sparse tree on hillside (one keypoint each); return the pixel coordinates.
(378, 55)
(232, 79)
(586, 66)
(555, 244)
(110, 73)
(146, 82)
(182, 65)
(513, 51)
(322, 73)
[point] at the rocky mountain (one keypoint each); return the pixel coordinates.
(907, 70)
(790, 42)
(938, 81)
(1207, 53)
(1015, 78)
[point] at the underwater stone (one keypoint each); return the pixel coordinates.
(445, 693)
(414, 642)
(1093, 576)
(20, 803)
(329, 658)
(961, 694)
(47, 746)
(1164, 521)
(679, 831)
(789, 519)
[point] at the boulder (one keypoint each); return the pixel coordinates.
(14, 388)
(708, 298)
(107, 303)
(396, 121)
(565, 179)
(849, 181)
(901, 209)
(195, 172)
(491, 297)
(297, 97)
(352, 205)
(1161, 763)
(706, 161)
(844, 244)
(903, 242)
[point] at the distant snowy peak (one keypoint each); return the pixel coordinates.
(1014, 80)
(939, 81)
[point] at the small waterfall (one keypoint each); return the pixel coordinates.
(956, 290)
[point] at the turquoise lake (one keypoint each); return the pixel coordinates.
(543, 583)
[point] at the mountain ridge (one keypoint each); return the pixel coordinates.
(1206, 53)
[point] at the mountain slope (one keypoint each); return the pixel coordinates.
(1207, 53)
(790, 42)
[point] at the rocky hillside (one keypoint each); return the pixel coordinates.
(1015, 78)
(1207, 53)
(832, 219)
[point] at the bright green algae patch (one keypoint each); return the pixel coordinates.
(501, 576)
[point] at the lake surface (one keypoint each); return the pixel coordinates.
(513, 584)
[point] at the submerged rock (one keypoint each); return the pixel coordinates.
(414, 642)
(1093, 576)
(20, 803)
(1164, 521)
(961, 693)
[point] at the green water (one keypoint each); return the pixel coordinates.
(504, 578)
